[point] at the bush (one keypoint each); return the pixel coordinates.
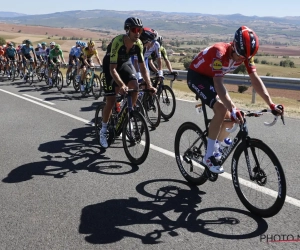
(2, 41)
(242, 88)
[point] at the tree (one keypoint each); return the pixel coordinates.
(241, 68)
(2, 41)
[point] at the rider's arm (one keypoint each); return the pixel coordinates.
(169, 66)
(62, 56)
(260, 87)
(222, 92)
(99, 61)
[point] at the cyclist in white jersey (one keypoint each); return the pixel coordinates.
(148, 37)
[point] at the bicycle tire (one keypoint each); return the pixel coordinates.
(165, 101)
(96, 87)
(139, 137)
(68, 78)
(59, 80)
(195, 174)
(257, 145)
(98, 125)
(30, 76)
(152, 109)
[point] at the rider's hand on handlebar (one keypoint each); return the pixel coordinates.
(277, 109)
(153, 90)
(236, 116)
(123, 89)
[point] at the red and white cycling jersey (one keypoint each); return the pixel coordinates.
(215, 61)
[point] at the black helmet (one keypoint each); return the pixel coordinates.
(132, 22)
(160, 40)
(148, 35)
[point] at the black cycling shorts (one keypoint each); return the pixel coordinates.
(126, 73)
(203, 87)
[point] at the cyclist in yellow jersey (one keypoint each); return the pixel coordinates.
(119, 71)
(86, 60)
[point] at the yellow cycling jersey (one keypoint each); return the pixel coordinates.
(89, 53)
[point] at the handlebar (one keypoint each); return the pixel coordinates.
(257, 114)
(174, 74)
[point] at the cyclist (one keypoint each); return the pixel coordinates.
(26, 49)
(152, 63)
(72, 57)
(205, 78)
(54, 56)
(79, 55)
(20, 64)
(86, 60)
(43, 56)
(148, 38)
(118, 70)
(2, 58)
(10, 54)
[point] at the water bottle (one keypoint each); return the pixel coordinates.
(118, 107)
(198, 108)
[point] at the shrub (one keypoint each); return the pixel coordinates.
(242, 88)
(2, 40)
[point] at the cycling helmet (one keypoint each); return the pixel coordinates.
(27, 41)
(132, 22)
(52, 43)
(83, 44)
(245, 42)
(9, 44)
(39, 45)
(160, 40)
(43, 43)
(91, 43)
(78, 42)
(148, 35)
(57, 46)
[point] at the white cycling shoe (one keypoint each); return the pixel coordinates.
(213, 165)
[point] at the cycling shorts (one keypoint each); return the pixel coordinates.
(203, 87)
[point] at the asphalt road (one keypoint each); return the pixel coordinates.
(59, 190)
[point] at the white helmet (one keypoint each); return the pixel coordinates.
(39, 45)
(52, 43)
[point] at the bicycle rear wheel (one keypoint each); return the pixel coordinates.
(152, 109)
(136, 138)
(167, 102)
(265, 193)
(190, 146)
(96, 87)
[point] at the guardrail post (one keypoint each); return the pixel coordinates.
(253, 95)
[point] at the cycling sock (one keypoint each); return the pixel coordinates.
(210, 147)
(104, 127)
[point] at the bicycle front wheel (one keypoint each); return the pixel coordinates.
(264, 193)
(167, 102)
(136, 138)
(152, 109)
(59, 81)
(96, 87)
(190, 146)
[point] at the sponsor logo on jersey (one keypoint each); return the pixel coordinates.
(199, 63)
(219, 54)
(217, 64)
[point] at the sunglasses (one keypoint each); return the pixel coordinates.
(136, 30)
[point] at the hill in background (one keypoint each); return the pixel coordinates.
(223, 25)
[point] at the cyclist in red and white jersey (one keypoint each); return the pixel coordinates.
(205, 78)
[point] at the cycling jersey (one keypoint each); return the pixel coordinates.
(163, 53)
(26, 49)
(75, 51)
(37, 51)
(1, 52)
(10, 52)
(116, 51)
(215, 61)
(89, 53)
(54, 54)
(43, 52)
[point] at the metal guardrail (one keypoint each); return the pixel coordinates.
(237, 79)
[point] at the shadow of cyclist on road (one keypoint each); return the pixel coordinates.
(175, 206)
(76, 151)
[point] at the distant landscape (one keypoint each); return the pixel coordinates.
(182, 32)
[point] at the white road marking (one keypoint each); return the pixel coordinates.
(51, 103)
(226, 175)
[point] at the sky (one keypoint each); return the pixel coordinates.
(277, 8)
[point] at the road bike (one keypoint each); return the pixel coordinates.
(257, 175)
(165, 94)
(29, 72)
(71, 75)
(92, 83)
(131, 124)
(57, 77)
